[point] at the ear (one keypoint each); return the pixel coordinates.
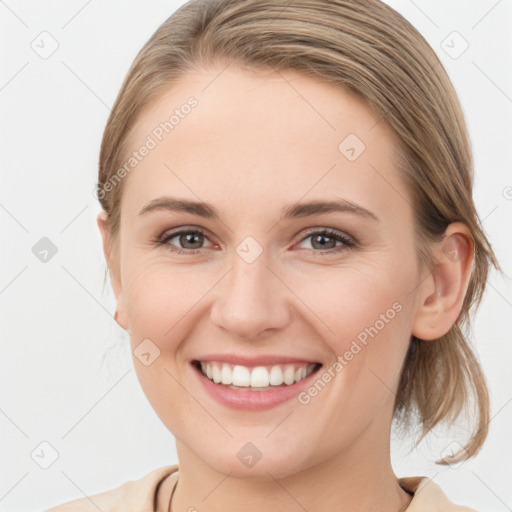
(442, 293)
(111, 258)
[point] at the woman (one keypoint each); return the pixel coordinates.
(314, 155)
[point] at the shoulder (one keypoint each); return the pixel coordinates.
(132, 496)
(428, 496)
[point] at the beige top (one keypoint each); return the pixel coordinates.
(141, 496)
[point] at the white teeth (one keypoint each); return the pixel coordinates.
(289, 375)
(227, 377)
(257, 377)
(216, 374)
(241, 376)
(276, 376)
(299, 375)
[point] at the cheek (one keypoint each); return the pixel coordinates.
(370, 319)
(347, 301)
(158, 296)
(365, 316)
(160, 306)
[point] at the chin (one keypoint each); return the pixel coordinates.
(249, 463)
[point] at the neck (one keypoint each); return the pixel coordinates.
(358, 479)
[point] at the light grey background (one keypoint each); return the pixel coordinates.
(57, 317)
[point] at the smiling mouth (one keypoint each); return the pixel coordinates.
(256, 378)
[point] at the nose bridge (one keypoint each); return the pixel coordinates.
(251, 299)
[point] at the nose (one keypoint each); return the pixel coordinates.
(251, 301)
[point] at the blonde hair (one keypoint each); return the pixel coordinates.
(367, 47)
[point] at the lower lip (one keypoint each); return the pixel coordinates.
(253, 400)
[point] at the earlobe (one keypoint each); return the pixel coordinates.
(441, 295)
(113, 268)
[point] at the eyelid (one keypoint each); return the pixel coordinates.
(171, 233)
(347, 241)
(332, 231)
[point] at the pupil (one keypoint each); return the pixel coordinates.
(323, 243)
(189, 238)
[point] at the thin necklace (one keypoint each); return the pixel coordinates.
(172, 494)
(176, 484)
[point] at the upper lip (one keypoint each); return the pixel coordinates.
(262, 360)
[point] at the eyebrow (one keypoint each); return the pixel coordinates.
(296, 210)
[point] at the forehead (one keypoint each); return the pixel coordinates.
(258, 101)
(262, 133)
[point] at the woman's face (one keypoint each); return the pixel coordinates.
(254, 281)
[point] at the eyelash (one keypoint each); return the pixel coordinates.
(348, 243)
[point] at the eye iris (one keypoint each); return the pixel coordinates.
(188, 237)
(322, 244)
(195, 239)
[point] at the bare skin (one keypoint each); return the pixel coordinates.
(254, 143)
